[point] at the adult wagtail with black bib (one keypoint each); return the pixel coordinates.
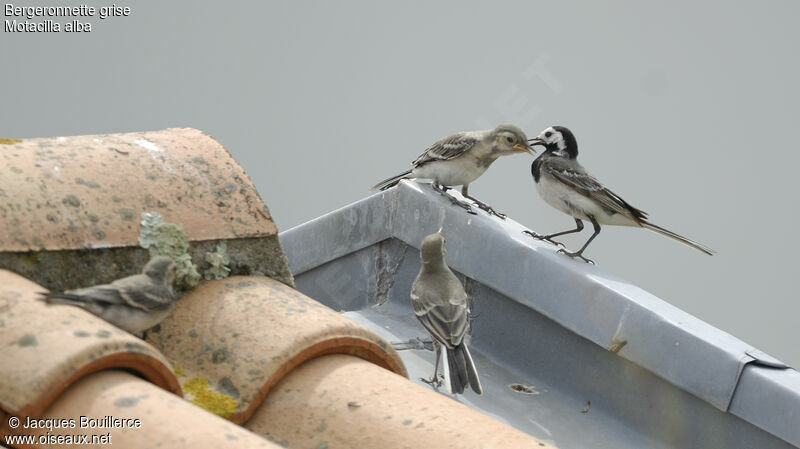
(564, 184)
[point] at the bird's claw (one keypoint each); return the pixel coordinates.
(442, 190)
(544, 238)
(464, 206)
(433, 381)
(488, 209)
(578, 255)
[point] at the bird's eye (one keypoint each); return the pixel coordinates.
(548, 134)
(509, 139)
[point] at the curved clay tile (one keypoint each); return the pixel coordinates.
(89, 191)
(155, 417)
(62, 196)
(232, 340)
(341, 401)
(48, 347)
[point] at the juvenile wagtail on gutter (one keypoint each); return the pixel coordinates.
(440, 303)
(564, 184)
(135, 303)
(461, 158)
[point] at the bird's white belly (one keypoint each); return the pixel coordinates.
(572, 203)
(133, 320)
(455, 172)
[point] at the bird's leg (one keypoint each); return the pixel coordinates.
(579, 253)
(549, 237)
(434, 381)
(481, 205)
(414, 343)
(442, 190)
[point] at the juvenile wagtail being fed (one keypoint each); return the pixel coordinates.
(564, 184)
(135, 303)
(461, 158)
(440, 303)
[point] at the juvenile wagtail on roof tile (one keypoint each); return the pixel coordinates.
(135, 303)
(461, 158)
(564, 184)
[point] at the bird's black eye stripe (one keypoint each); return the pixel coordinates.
(509, 139)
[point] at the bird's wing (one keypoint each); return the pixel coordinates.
(135, 291)
(582, 182)
(443, 312)
(448, 148)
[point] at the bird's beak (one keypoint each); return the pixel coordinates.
(521, 147)
(536, 141)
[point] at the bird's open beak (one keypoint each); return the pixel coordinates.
(521, 147)
(536, 141)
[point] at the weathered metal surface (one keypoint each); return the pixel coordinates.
(545, 319)
(47, 347)
(769, 398)
(89, 191)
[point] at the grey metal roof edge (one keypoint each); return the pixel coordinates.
(340, 232)
(768, 398)
(596, 305)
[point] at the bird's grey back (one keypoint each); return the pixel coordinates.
(440, 303)
(449, 147)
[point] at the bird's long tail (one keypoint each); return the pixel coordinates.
(679, 238)
(391, 182)
(62, 298)
(459, 370)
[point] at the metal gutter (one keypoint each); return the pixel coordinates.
(602, 308)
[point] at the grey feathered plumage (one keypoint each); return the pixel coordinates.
(460, 158)
(135, 303)
(440, 303)
(564, 184)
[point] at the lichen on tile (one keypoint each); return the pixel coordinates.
(201, 394)
(218, 261)
(169, 239)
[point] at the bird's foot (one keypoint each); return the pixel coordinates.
(576, 254)
(545, 238)
(433, 381)
(462, 205)
(485, 207)
(442, 190)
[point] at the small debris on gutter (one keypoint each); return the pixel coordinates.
(525, 389)
(616, 345)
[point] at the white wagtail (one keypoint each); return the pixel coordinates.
(135, 303)
(440, 303)
(461, 158)
(564, 184)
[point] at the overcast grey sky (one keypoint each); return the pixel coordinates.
(686, 109)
